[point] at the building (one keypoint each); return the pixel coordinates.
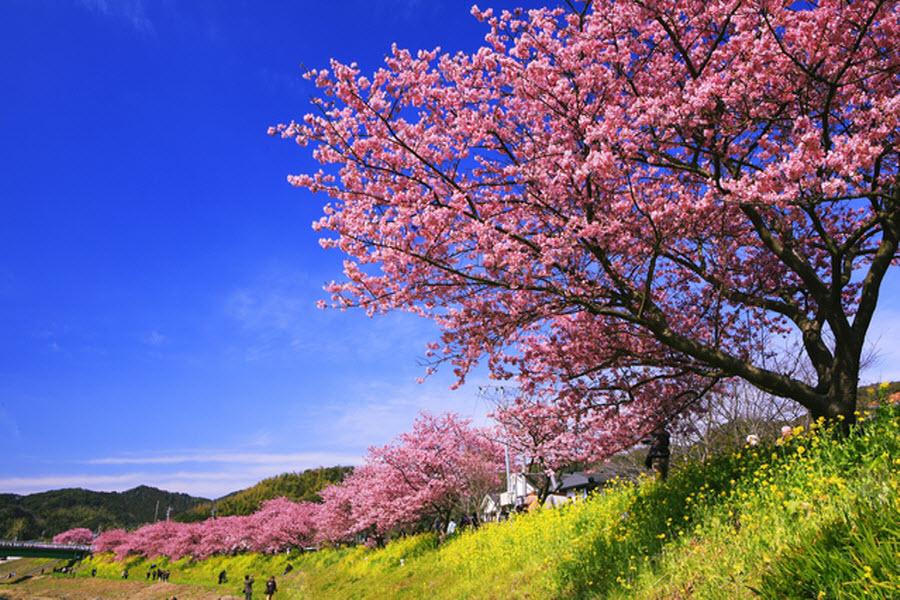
(523, 490)
(490, 509)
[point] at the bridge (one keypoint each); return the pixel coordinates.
(43, 550)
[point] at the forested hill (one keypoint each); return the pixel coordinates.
(45, 514)
(303, 486)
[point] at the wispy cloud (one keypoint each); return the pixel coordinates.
(231, 471)
(133, 12)
(8, 425)
(242, 458)
(211, 484)
(402, 10)
(155, 339)
(277, 314)
(376, 411)
(884, 342)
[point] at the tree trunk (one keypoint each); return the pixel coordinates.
(839, 403)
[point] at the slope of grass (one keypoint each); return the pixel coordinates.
(22, 567)
(816, 517)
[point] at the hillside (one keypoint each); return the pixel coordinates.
(869, 394)
(816, 517)
(303, 486)
(45, 514)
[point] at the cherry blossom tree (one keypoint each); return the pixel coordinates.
(79, 535)
(619, 203)
(112, 540)
(281, 523)
(547, 437)
(335, 520)
(224, 535)
(441, 468)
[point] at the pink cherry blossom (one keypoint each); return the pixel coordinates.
(442, 468)
(79, 535)
(620, 208)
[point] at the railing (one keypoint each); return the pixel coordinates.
(36, 549)
(36, 545)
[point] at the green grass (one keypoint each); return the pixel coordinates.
(26, 566)
(816, 517)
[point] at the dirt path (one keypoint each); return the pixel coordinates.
(81, 588)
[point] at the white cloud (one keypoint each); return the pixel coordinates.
(242, 458)
(234, 471)
(376, 411)
(204, 484)
(884, 340)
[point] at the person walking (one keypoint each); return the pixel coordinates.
(248, 587)
(658, 456)
(271, 588)
(223, 577)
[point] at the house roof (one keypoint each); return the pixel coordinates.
(587, 479)
(572, 481)
(495, 498)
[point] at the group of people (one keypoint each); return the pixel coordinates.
(271, 586)
(452, 526)
(157, 574)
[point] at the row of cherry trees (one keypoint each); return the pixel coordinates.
(278, 524)
(441, 468)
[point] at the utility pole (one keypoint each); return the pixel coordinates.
(168, 513)
(506, 457)
(156, 512)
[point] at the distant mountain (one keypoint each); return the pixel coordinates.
(45, 514)
(304, 486)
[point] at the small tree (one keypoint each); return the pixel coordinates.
(79, 535)
(612, 203)
(439, 469)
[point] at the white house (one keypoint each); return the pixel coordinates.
(490, 508)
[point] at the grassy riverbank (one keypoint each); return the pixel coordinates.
(816, 517)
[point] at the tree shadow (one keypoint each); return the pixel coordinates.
(660, 514)
(852, 556)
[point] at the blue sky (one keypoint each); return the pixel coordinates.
(157, 274)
